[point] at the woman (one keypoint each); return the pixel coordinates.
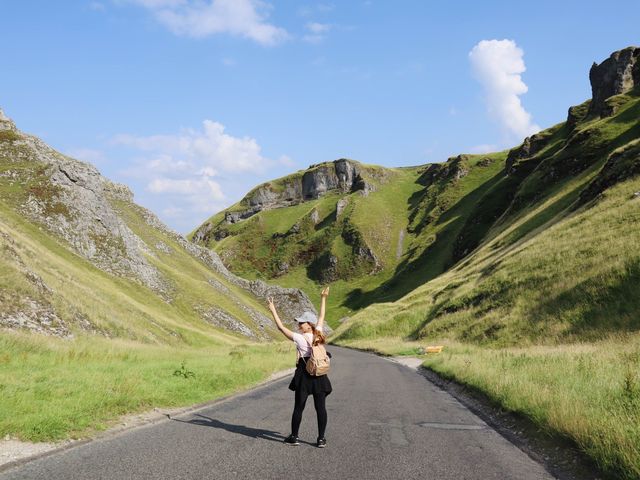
(309, 333)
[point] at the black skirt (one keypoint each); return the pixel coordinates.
(308, 384)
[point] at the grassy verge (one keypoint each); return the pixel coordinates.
(53, 389)
(588, 392)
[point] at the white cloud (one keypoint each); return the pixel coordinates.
(317, 31)
(497, 64)
(186, 187)
(196, 149)
(200, 18)
(316, 8)
(316, 27)
(188, 196)
(185, 175)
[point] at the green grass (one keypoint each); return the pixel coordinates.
(587, 392)
(53, 389)
(557, 276)
(575, 279)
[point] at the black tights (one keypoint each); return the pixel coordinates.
(321, 412)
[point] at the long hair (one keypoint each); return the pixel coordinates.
(318, 336)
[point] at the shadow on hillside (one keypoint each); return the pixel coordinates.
(551, 212)
(205, 421)
(466, 218)
(433, 260)
(607, 303)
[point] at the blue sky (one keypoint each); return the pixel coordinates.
(193, 102)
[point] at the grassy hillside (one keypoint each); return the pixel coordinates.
(381, 246)
(83, 339)
(559, 266)
(37, 267)
(286, 245)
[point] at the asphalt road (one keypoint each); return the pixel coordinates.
(385, 422)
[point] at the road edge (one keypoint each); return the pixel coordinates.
(559, 455)
(148, 418)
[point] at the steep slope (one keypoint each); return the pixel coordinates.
(77, 256)
(415, 224)
(552, 255)
(335, 222)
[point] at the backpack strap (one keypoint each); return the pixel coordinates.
(309, 343)
(305, 337)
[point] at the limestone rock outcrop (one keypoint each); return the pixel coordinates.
(453, 169)
(530, 147)
(340, 175)
(74, 202)
(618, 74)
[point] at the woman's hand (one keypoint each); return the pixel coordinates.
(285, 331)
(323, 300)
(270, 304)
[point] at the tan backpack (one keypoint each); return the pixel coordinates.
(318, 363)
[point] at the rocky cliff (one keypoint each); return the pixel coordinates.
(342, 176)
(620, 73)
(97, 220)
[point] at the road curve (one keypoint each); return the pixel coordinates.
(385, 422)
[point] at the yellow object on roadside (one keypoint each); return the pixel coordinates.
(434, 349)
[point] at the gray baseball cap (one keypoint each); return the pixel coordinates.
(306, 317)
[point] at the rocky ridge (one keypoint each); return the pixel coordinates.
(343, 175)
(620, 73)
(73, 201)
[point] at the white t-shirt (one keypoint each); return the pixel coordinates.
(304, 347)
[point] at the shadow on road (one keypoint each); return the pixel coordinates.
(239, 429)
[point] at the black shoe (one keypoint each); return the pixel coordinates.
(322, 442)
(291, 440)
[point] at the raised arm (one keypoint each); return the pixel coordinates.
(285, 331)
(323, 307)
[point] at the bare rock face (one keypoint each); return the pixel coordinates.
(618, 74)
(291, 302)
(264, 197)
(453, 169)
(220, 318)
(340, 206)
(72, 200)
(530, 147)
(5, 122)
(623, 163)
(314, 217)
(340, 175)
